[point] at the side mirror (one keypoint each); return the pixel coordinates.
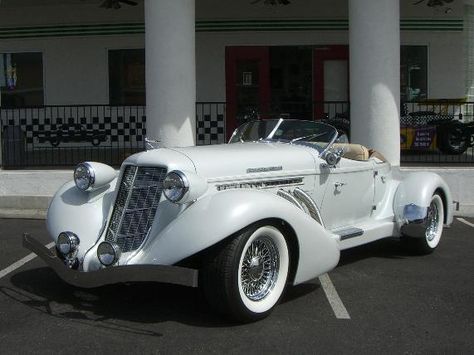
(333, 156)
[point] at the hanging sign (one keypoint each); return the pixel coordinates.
(247, 78)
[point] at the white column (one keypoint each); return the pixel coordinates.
(469, 50)
(374, 41)
(170, 71)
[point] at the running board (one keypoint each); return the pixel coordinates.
(349, 233)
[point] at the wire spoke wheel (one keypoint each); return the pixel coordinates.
(434, 222)
(246, 278)
(429, 237)
(260, 268)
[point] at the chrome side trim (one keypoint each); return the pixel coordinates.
(290, 198)
(260, 184)
(310, 205)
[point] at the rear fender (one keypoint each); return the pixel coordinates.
(413, 198)
(218, 216)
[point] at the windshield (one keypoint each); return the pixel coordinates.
(318, 135)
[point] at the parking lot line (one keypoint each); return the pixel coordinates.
(466, 222)
(338, 307)
(20, 262)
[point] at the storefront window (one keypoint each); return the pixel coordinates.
(21, 79)
(127, 77)
(291, 81)
(413, 73)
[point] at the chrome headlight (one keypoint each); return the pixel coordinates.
(84, 176)
(175, 186)
(108, 253)
(67, 243)
(92, 175)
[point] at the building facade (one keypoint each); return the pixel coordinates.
(305, 59)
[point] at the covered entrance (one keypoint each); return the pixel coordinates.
(301, 82)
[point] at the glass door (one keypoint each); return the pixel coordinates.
(247, 85)
(331, 81)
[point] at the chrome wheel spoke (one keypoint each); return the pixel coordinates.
(432, 224)
(259, 269)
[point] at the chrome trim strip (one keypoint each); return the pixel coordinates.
(262, 184)
(290, 198)
(310, 205)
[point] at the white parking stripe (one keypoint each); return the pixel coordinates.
(334, 300)
(466, 222)
(20, 262)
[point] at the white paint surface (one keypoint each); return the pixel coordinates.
(466, 222)
(337, 306)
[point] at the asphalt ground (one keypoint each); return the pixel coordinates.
(397, 302)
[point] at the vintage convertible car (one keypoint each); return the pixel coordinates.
(242, 220)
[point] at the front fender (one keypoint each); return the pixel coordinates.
(216, 217)
(415, 190)
(82, 212)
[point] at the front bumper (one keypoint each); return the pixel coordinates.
(112, 275)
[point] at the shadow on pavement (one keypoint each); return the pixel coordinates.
(388, 248)
(122, 307)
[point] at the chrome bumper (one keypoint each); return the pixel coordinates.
(414, 221)
(112, 275)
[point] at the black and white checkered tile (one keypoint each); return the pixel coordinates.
(210, 126)
(122, 125)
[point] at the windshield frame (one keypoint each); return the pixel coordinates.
(295, 141)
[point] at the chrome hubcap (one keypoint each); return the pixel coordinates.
(260, 267)
(432, 222)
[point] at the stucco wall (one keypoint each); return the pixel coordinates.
(75, 68)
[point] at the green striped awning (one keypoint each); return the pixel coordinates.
(446, 25)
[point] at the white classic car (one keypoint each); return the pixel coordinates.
(243, 220)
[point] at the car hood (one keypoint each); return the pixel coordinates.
(242, 159)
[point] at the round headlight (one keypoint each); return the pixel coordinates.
(175, 186)
(84, 176)
(67, 243)
(108, 253)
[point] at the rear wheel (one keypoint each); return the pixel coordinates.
(453, 139)
(246, 278)
(433, 229)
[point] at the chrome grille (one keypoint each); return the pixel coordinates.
(135, 206)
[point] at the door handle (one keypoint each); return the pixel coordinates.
(338, 185)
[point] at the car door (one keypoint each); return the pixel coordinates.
(349, 195)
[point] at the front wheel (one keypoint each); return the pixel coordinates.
(433, 228)
(247, 276)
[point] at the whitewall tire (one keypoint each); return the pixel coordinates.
(433, 228)
(246, 278)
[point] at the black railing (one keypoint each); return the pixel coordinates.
(434, 133)
(437, 133)
(53, 136)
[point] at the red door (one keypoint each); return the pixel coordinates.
(330, 80)
(247, 84)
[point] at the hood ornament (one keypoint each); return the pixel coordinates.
(151, 144)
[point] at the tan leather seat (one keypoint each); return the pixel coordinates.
(377, 155)
(354, 151)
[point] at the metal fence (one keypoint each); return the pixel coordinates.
(54, 136)
(437, 133)
(433, 133)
